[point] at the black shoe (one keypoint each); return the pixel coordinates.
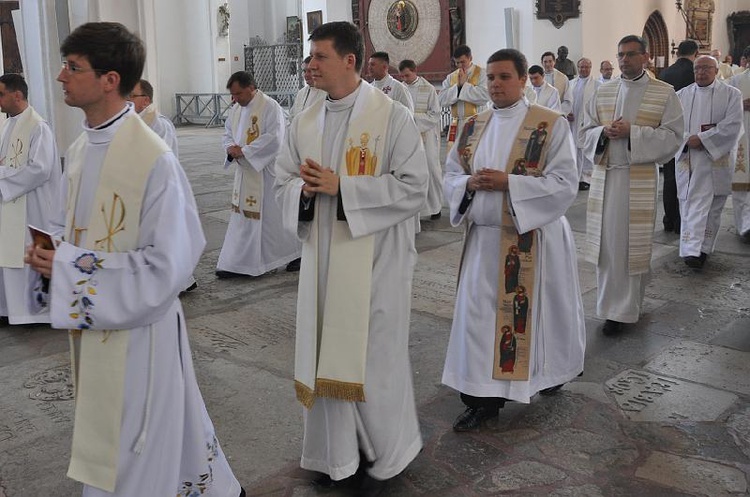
(436, 216)
(696, 262)
(473, 418)
(242, 492)
(668, 226)
(583, 186)
(370, 487)
(223, 275)
(4, 321)
(612, 328)
(294, 266)
(191, 287)
(551, 390)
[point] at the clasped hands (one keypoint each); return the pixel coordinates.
(318, 179)
(487, 179)
(235, 151)
(619, 128)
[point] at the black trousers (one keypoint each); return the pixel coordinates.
(671, 204)
(477, 402)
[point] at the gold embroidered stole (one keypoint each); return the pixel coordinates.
(643, 179)
(515, 289)
(98, 357)
(470, 109)
(247, 193)
(13, 214)
(741, 176)
(331, 350)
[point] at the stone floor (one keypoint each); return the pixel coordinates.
(662, 410)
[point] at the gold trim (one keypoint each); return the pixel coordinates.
(341, 390)
(304, 394)
(741, 187)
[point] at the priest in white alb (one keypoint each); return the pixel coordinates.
(630, 125)
(377, 66)
(255, 242)
(518, 324)
(351, 178)
(307, 95)
(427, 117)
(29, 184)
(583, 87)
(705, 162)
(741, 178)
(544, 94)
(142, 97)
(130, 237)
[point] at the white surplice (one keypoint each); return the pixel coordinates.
(163, 127)
(620, 294)
(547, 96)
(384, 427)
(137, 291)
(39, 180)
(427, 117)
(583, 89)
(478, 94)
(558, 327)
(256, 246)
(703, 188)
(741, 199)
(396, 90)
(562, 84)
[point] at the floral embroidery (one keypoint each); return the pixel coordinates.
(204, 480)
(83, 304)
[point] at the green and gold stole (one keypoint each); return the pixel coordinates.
(331, 350)
(98, 356)
(643, 179)
(518, 258)
(247, 192)
(13, 214)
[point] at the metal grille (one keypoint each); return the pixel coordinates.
(276, 68)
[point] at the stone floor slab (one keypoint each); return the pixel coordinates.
(644, 396)
(693, 476)
(735, 336)
(712, 365)
(739, 427)
(520, 476)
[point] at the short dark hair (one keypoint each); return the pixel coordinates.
(461, 50)
(307, 59)
(513, 55)
(687, 47)
(146, 88)
(536, 70)
(546, 54)
(243, 78)
(346, 39)
(382, 56)
(634, 39)
(407, 64)
(15, 82)
(109, 46)
(746, 52)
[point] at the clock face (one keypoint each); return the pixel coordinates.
(406, 29)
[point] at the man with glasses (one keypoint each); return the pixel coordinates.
(629, 126)
(29, 181)
(131, 236)
(605, 71)
(705, 162)
(142, 97)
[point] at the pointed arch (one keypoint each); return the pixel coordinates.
(657, 36)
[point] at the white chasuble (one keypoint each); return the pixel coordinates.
(13, 213)
(741, 177)
(555, 310)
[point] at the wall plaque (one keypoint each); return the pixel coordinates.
(558, 11)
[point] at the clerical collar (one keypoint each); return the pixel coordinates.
(111, 121)
(707, 87)
(343, 102)
(511, 108)
(643, 73)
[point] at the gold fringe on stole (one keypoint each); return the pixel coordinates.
(247, 214)
(304, 394)
(740, 187)
(341, 390)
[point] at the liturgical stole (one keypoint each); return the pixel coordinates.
(643, 179)
(741, 177)
(469, 108)
(247, 194)
(149, 114)
(13, 214)
(518, 261)
(331, 350)
(98, 356)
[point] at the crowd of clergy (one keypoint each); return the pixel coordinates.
(335, 189)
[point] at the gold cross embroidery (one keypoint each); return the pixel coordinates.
(251, 201)
(17, 151)
(112, 227)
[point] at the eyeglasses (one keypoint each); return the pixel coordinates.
(71, 68)
(622, 55)
(703, 68)
(134, 95)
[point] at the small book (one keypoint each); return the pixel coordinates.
(41, 238)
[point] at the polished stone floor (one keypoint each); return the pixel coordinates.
(662, 410)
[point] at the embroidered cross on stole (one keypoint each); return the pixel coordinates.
(518, 253)
(247, 192)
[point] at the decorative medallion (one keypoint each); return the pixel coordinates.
(406, 29)
(558, 11)
(403, 19)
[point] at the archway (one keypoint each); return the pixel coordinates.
(657, 37)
